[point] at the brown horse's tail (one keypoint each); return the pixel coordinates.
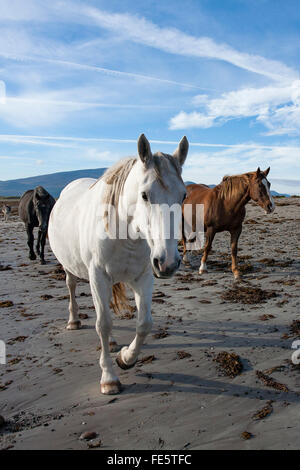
(119, 301)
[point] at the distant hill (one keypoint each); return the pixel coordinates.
(53, 182)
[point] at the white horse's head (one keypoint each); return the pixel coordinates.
(160, 193)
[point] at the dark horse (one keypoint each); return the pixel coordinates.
(224, 209)
(34, 209)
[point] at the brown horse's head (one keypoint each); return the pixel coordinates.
(260, 190)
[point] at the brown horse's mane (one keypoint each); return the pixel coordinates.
(232, 186)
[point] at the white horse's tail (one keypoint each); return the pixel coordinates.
(119, 301)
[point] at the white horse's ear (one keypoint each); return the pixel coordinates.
(182, 150)
(266, 172)
(144, 150)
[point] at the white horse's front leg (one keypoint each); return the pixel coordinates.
(101, 289)
(143, 289)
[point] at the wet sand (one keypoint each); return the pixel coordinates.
(178, 397)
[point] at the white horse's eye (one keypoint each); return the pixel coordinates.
(144, 196)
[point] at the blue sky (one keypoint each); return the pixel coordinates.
(83, 79)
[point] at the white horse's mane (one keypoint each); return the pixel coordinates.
(116, 176)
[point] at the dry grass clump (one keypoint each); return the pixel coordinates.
(162, 333)
(58, 273)
(288, 282)
(127, 316)
(269, 382)
(147, 359)
(246, 435)
(6, 303)
(182, 355)
(295, 328)
(186, 278)
(245, 268)
(229, 363)
(46, 296)
(266, 316)
(219, 265)
(247, 295)
(264, 412)
(267, 261)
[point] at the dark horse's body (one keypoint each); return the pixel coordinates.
(34, 209)
(224, 209)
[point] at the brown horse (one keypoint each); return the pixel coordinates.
(224, 209)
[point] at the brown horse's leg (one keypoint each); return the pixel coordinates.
(210, 235)
(235, 235)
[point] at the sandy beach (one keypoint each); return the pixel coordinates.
(177, 396)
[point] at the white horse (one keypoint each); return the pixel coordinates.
(76, 235)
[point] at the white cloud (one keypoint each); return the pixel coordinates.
(143, 31)
(18, 10)
(185, 120)
(284, 120)
(46, 108)
(205, 166)
(228, 148)
(174, 41)
(276, 107)
(25, 45)
(106, 157)
(37, 110)
(35, 140)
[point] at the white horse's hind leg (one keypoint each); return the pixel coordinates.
(143, 297)
(110, 383)
(74, 322)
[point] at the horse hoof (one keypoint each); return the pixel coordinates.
(114, 347)
(43, 261)
(122, 364)
(111, 388)
(74, 325)
(32, 257)
(203, 271)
